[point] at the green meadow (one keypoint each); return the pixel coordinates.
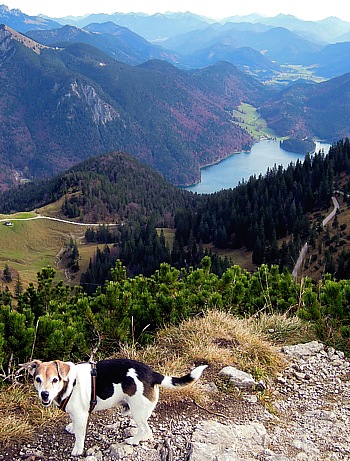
(248, 118)
(29, 245)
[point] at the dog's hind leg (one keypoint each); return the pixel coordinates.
(140, 412)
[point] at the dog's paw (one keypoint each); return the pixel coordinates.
(132, 441)
(69, 428)
(139, 438)
(77, 451)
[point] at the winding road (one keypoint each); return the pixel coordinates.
(57, 219)
(297, 266)
(303, 251)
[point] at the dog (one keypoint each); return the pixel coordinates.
(82, 388)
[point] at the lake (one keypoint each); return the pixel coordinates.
(241, 166)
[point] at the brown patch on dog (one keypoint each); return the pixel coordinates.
(129, 386)
(31, 366)
(149, 392)
(47, 370)
(63, 369)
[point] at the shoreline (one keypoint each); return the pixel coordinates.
(215, 162)
(264, 154)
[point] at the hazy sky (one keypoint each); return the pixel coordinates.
(216, 9)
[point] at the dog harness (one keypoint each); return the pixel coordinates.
(93, 400)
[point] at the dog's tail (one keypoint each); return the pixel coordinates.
(170, 382)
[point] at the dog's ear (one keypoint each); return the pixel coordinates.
(30, 366)
(63, 369)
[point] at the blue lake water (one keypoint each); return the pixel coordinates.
(229, 172)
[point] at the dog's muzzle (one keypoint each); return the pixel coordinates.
(45, 398)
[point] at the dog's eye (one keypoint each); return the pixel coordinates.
(54, 380)
(38, 380)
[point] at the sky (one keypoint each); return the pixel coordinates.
(217, 9)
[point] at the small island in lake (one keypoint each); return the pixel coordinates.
(299, 146)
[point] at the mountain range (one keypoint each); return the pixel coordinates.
(192, 41)
(118, 42)
(60, 106)
(69, 93)
(17, 20)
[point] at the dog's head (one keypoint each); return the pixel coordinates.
(51, 379)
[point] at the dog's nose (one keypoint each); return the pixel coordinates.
(45, 395)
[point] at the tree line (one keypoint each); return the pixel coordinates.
(142, 249)
(257, 215)
(50, 321)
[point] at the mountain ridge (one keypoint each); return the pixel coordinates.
(23, 22)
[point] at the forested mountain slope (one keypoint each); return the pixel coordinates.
(59, 107)
(109, 188)
(318, 111)
(116, 41)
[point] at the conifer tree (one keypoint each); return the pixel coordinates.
(18, 287)
(7, 274)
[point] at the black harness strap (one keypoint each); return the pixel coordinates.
(63, 404)
(93, 400)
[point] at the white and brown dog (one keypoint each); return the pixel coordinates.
(85, 387)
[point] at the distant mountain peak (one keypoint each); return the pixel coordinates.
(20, 21)
(8, 32)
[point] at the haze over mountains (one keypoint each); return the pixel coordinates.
(163, 87)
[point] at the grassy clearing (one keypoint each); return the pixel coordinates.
(240, 257)
(28, 246)
(53, 209)
(248, 118)
(169, 234)
(21, 215)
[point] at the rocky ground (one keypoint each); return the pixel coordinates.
(304, 415)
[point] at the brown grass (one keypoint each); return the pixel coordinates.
(21, 414)
(282, 329)
(218, 339)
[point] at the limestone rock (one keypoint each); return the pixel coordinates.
(303, 350)
(239, 378)
(121, 450)
(215, 441)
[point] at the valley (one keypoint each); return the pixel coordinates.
(188, 101)
(168, 101)
(290, 73)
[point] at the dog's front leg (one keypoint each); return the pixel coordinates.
(79, 425)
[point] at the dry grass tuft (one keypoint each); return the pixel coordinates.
(22, 413)
(283, 329)
(218, 339)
